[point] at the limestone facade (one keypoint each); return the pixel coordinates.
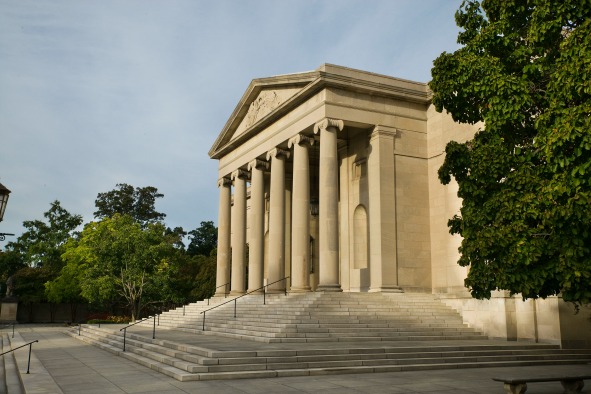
(328, 182)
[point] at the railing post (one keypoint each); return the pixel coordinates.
(235, 307)
(79, 326)
(208, 302)
(13, 330)
(183, 310)
(29, 362)
(159, 319)
(154, 328)
(285, 284)
(124, 335)
(203, 321)
(265, 295)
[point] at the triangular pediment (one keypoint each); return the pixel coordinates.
(263, 98)
(268, 99)
(266, 102)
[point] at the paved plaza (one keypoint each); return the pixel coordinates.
(62, 364)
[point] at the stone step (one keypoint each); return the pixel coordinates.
(338, 330)
(298, 332)
(327, 327)
(11, 380)
(284, 363)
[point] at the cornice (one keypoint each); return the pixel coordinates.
(311, 83)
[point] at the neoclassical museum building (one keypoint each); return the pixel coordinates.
(328, 182)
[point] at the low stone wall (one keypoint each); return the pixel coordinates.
(49, 313)
(549, 320)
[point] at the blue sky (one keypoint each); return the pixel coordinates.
(95, 93)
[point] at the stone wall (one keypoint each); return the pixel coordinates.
(49, 313)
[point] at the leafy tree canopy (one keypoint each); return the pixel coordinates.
(29, 284)
(137, 202)
(203, 239)
(525, 177)
(116, 257)
(41, 245)
(10, 262)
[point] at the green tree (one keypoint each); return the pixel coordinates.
(139, 203)
(525, 177)
(204, 285)
(29, 286)
(41, 245)
(66, 288)
(117, 257)
(203, 239)
(10, 262)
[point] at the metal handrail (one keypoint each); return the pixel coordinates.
(245, 294)
(30, 344)
(124, 329)
(8, 325)
(225, 292)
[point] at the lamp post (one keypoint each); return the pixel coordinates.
(4, 192)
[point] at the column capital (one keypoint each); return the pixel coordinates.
(258, 164)
(240, 173)
(383, 131)
(300, 139)
(224, 181)
(328, 122)
(277, 153)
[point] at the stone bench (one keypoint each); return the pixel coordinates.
(571, 383)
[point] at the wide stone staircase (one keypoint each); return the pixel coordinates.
(315, 333)
(326, 317)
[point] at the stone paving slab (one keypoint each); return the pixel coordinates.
(77, 367)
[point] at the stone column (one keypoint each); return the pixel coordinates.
(239, 233)
(287, 253)
(300, 228)
(328, 205)
(223, 257)
(257, 223)
(381, 173)
(276, 268)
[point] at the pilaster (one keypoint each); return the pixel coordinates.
(382, 211)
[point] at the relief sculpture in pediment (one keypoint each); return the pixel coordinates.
(266, 102)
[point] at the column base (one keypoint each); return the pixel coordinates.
(255, 292)
(329, 288)
(386, 289)
(275, 291)
(235, 293)
(222, 294)
(306, 289)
